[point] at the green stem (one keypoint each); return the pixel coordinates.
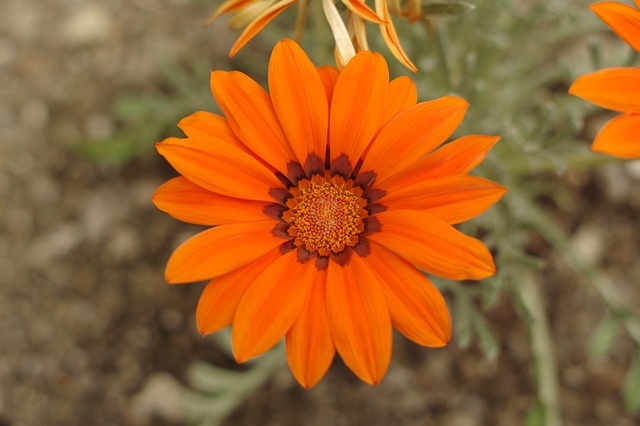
(210, 408)
(521, 167)
(301, 19)
(433, 31)
(542, 348)
(606, 290)
(556, 236)
(322, 36)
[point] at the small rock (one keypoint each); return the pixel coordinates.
(588, 243)
(43, 190)
(161, 397)
(124, 244)
(100, 211)
(89, 24)
(21, 163)
(35, 114)
(574, 376)
(633, 168)
(171, 319)
(617, 181)
(57, 243)
(460, 419)
(99, 126)
(8, 51)
(18, 220)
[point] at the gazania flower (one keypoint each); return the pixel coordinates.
(256, 14)
(617, 89)
(326, 200)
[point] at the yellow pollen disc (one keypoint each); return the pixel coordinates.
(325, 214)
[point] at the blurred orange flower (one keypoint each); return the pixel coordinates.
(617, 89)
(325, 197)
(254, 15)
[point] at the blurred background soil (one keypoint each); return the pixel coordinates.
(91, 335)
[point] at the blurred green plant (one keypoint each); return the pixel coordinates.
(146, 117)
(219, 391)
(513, 62)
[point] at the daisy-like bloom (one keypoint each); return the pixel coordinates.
(617, 89)
(254, 15)
(326, 197)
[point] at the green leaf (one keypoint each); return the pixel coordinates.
(633, 58)
(134, 108)
(603, 338)
(463, 318)
(115, 150)
(486, 337)
(631, 388)
(447, 9)
(211, 379)
(222, 339)
(594, 54)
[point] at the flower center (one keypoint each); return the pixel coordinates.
(325, 214)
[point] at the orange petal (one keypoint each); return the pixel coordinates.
(455, 158)
(249, 13)
(251, 116)
(299, 99)
(624, 21)
(394, 7)
(358, 106)
(362, 10)
(191, 203)
(219, 167)
(417, 308)
(227, 7)
(359, 319)
(433, 245)
(614, 88)
(453, 199)
(329, 76)
(258, 24)
(204, 124)
(220, 250)
(620, 137)
(413, 134)
(310, 348)
(413, 10)
(358, 30)
(390, 37)
(271, 305)
(459, 156)
(402, 95)
(221, 296)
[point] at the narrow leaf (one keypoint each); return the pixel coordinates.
(604, 336)
(631, 389)
(447, 9)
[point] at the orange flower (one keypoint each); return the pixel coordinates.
(256, 14)
(325, 197)
(617, 89)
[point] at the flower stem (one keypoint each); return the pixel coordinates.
(321, 33)
(542, 347)
(301, 20)
(434, 32)
(519, 166)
